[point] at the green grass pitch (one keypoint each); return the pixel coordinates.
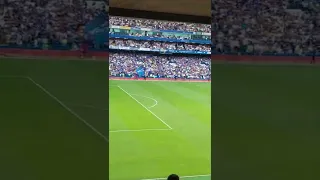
(265, 123)
(159, 128)
(42, 139)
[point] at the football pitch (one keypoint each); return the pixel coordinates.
(265, 122)
(53, 121)
(159, 128)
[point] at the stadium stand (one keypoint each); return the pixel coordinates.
(267, 27)
(153, 45)
(157, 24)
(159, 66)
(53, 24)
(159, 49)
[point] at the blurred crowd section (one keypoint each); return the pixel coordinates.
(52, 24)
(271, 27)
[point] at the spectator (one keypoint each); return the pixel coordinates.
(173, 177)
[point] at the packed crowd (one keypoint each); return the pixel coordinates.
(158, 45)
(46, 23)
(157, 24)
(266, 26)
(126, 64)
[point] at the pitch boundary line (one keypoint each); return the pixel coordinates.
(145, 108)
(68, 109)
(138, 130)
(182, 177)
(156, 102)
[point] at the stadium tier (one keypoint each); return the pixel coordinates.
(53, 24)
(159, 49)
(149, 24)
(159, 36)
(159, 66)
(268, 27)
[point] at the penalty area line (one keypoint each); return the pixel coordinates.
(145, 107)
(155, 101)
(68, 109)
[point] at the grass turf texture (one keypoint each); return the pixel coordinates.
(39, 138)
(169, 132)
(265, 122)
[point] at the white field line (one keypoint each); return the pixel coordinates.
(139, 130)
(183, 177)
(145, 107)
(155, 101)
(68, 109)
